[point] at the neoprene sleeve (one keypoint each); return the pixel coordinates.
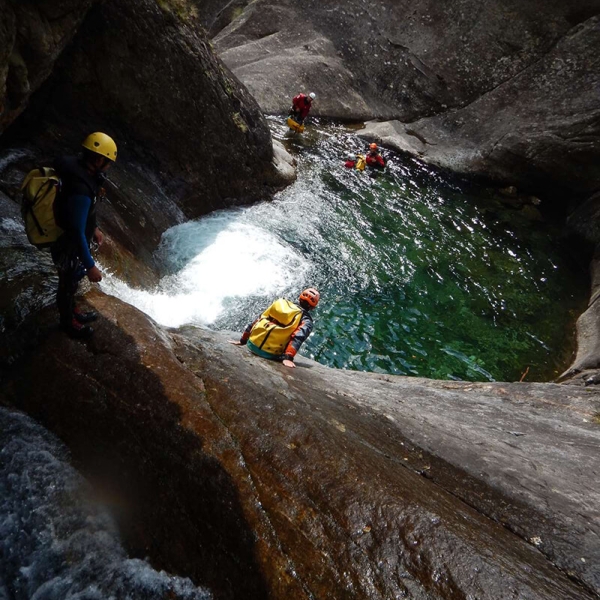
(77, 211)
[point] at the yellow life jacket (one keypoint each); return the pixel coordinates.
(361, 162)
(40, 188)
(273, 330)
(294, 126)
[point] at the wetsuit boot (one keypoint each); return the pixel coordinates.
(84, 317)
(68, 282)
(76, 330)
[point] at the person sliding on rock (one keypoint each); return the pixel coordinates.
(75, 213)
(373, 158)
(301, 105)
(280, 331)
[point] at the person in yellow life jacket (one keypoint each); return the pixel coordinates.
(355, 161)
(280, 331)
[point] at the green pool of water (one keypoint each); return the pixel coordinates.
(425, 274)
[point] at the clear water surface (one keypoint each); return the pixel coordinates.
(420, 273)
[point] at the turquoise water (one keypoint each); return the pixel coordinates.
(420, 273)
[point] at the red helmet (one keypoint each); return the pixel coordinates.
(373, 146)
(310, 296)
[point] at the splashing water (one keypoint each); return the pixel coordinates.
(419, 273)
(54, 542)
(222, 258)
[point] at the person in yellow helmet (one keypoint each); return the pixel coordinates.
(75, 213)
(282, 328)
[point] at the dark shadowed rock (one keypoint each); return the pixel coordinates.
(499, 89)
(145, 72)
(583, 223)
(27, 280)
(259, 481)
(585, 369)
(32, 36)
(190, 137)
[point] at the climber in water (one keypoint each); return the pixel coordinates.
(374, 158)
(355, 161)
(280, 331)
(301, 105)
(351, 161)
(75, 213)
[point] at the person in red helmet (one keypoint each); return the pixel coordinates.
(280, 331)
(301, 105)
(373, 158)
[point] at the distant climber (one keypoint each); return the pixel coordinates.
(301, 105)
(356, 161)
(280, 331)
(351, 161)
(75, 212)
(374, 158)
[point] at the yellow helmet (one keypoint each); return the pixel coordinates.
(102, 144)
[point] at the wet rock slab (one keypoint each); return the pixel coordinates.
(508, 92)
(260, 481)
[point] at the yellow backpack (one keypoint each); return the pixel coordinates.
(273, 330)
(361, 163)
(294, 126)
(40, 188)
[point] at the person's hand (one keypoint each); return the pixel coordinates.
(235, 342)
(94, 274)
(289, 363)
(98, 236)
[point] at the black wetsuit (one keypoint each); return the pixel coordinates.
(75, 213)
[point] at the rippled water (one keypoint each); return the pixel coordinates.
(420, 273)
(57, 543)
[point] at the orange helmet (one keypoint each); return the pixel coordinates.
(310, 296)
(373, 146)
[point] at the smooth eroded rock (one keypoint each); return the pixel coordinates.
(508, 92)
(320, 483)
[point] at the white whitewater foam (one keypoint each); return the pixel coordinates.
(55, 544)
(220, 257)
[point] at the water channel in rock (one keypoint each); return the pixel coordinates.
(420, 273)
